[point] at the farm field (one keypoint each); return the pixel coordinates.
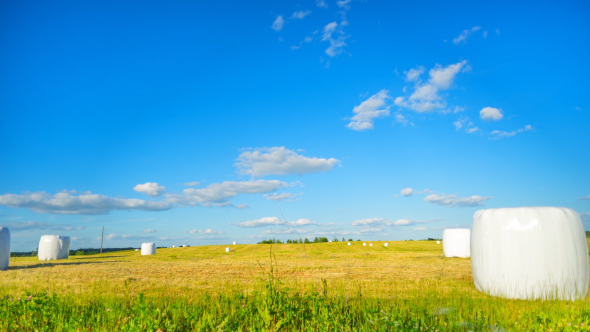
(409, 285)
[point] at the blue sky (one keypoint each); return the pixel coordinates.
(184, 122)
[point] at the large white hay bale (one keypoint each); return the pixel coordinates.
(227, 249)
(234, 243)
(364, 244)
(4, 248)
(54, 247)
(456, 242)
(386, 244)
(148, 248)
(530, 253)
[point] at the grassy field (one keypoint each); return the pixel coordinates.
(329, 287)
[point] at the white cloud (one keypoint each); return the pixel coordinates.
(485, 34)
(219, 193)
(585, 198)
(192, 184)
(69, 203)
(300, 14)
(491, 113)
(328, 30)
(453, 200)
(110, 236)
(281, 161)
(500, 134)
(372, 230)
(426, 96)
(321, 3)
(414, 74)
(16, 226)
(401, 119)
(336, 44)
(420, 229)
(368, 110)
(585, 216)
(283, 196)
(372, 222)
(462, 38)
(302, 222)
(458, 124)
(149, 230)
(208, 231)
(151, 189)
(267, 221)
(343, 4)
(278, 23)
(473, 130)
(407, 192)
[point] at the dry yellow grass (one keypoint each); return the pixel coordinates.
(400, 269)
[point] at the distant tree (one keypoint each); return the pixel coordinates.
(350, 240)
(335, 239)
(587, 233)
(307, 240)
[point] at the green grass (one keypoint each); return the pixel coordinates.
(407, 286)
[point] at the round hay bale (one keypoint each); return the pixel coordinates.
(52, 247)
(348, 243)
(148, 248)
(530, 253)
(235, 243)
(227, 249)
(364, 244)
(456, 242)
(386, 244)
(437, 242)
(4, 248)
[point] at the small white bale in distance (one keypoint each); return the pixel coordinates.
(54, 247)
(364, 244)
(456, 242)
(136, 249)
(235, 243)
(530, 253)
(437, 242)
(386, 244)
(348, 243)
(184, 245)
(227, 249)
(148, 248)
(4, 248)
(370, 245)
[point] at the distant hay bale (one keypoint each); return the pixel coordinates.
(53, 247)
(173, 246)
(227, 249)
(136, 249)
(386, 244)
(364, 244)
(370, 244)
(348, 243)
(437, 242)
(4, 248)
(148, 248)
(456, 242)
(184, 245)
(530, 253)
(235, 243)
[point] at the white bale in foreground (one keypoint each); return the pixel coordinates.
(456, 242)
(54, 247)
(227, 249)
(4, 248)
(530, 253)
(386, 244)
(148, 248)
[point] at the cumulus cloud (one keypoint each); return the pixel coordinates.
(70, 203)
(300, 14)
(302, 222)
(277, 25)
(208, 231)
(407, 192)
(473, 130)
(149, 230)
(585, 216)
(401, 119)
(262, 222)
(281, 161)
(283, 196)
(454, 200)
(497, 134)
(381, 222)
(337, 43)
(419, 228)
(26, 225)
(372, 222)
(321, 3)
(368, 110)
(192, 184)
(151, 189)
(462, 38)
(411, 222)
(414, 74)
(426, 96)
(343, 3)
(491, 113)
(372, 230)
(585, 198)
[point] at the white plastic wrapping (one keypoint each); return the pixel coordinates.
(437, 242)
(370, 245)
(136, 249)
(530, 253)
(148, 248)
(364, 244)
(4, 248)
(234, 243)
(456, 242)
(227, 249)
(386, 244)
(348, 243)
(54, 247)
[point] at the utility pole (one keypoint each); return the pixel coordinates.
(101, 238)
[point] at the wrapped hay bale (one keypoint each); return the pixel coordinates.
(370, 245)
(530, 253)
(227, 249)
(136, 249)
(386, 244)
(364, 244)
(348, 243)
(456, 242)
(437, 242)
(148, 248)
(53, 247)
(234, 243)
(4, 248)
